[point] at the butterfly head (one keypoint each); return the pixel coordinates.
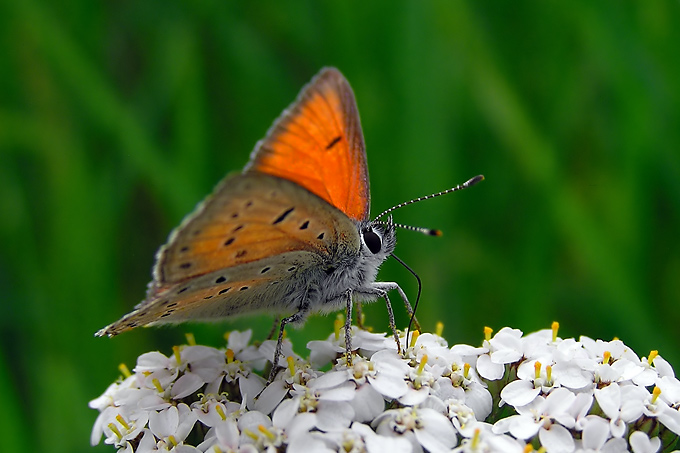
(378, 239)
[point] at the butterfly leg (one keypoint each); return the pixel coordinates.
(296, 317)
(393, 325)
(348, 328)
(388, 286)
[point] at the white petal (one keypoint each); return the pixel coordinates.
(595, 432)
(523, 427)
(271, 396)
(343, 392)
(632, 402)
(252, 419)
(616, 445)
(186, 385)
(479, 400)
(301, 424)
(663, 368)
(670, 418)
(322, 352)
(489, 370)
(414, 397)
(557, 439)
(390, 386)
(331, 415)
(609, 399)
(250, 387)
(285, 412)
(437, 433)
(640, 443)
(308, 444)
(519, 393)
(151, 361)
(187, 419)
(572, 376)
(165, 422)
(227, 434)
(329, 380)
(367, 403)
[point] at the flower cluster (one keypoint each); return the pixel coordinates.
(515, 393)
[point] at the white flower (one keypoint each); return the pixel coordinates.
(539, 415)
(172, 425)
(568, 396)
(622, 404)
(641, 443)
(423, 427)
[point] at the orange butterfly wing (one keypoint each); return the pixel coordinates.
(318, 143)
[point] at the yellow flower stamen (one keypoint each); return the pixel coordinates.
(423, 361)
(487, 333)
(528, 448)
(217, 449)
(541, 450)
(250, 434)
(466, 371)
(537, 370)
(125, 371)
(176, 352)
(655, 394)
(474, 442)
(220, 412)
(115, 430)
(555, 327)
(291, 365)
(191, 340)
(263, 429)
(548, 372)
(652, 355)
(439, 329)
(606, 357)
(172, 440)
(226, 336)
(414, 337)
(230, 355)
(156, 383)
(123, 423)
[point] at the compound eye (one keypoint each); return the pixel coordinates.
(373, 241)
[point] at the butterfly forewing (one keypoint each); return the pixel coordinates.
(241, 251)
(318, 143)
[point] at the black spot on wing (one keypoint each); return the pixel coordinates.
(224, 291)
(220, 280)
(229, 241)
(282, 217)
(333, 142)
(304, 225)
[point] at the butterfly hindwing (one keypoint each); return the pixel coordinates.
(318, 143)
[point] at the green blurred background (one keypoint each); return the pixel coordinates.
(116, 118)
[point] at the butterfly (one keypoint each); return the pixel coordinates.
(289, 235)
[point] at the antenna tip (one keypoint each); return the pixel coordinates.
(475, 180)
(435, 232)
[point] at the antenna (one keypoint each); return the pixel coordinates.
(469, 183)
